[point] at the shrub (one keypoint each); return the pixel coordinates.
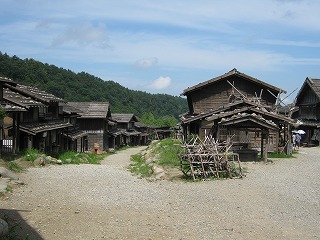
(31, 154)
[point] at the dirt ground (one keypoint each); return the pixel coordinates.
(278, 200)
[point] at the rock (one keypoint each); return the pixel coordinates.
(149, 161)
(40, 161)
(160, 175)
(59, 162)
(5, 173)
(111, 150)
(3, 185)
(4, 228)
(157, 170)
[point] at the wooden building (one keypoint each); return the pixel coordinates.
(40, 126)
(307, 110)
(235, 105)
(10, 121)
(94, 121)
(75, 138)
(124, 131)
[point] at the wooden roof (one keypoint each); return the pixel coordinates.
(233, 72)
(124, 117)
(247, 120)
(37, 127)
(68, 109)
(313, 83)
(7, 80)
(11, 107)
(19, 99)
(91, 109)
(74, 134)
(235, 109)
(34, 93)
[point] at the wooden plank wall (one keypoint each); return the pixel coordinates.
(216, 95)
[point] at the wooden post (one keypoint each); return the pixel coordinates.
(267, 147)
(261, 143)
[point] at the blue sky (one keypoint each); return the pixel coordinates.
(169, 45)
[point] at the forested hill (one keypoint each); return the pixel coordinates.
(82, 86)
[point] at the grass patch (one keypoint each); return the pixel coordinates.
(72, 157)
(14, 167)
(279, 155)
(31, 154)
(168, 151)
(139, 166)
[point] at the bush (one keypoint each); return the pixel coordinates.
(31, 154)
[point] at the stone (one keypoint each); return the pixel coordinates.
(40, 161)
(157, 170)
(3, 185)
(5, 173)
(4, 228)
(149, 161)
(160, 175)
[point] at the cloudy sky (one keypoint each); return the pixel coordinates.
(166, 46)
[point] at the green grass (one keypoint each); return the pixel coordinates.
(168, 151)
(72, 157)
(32, 154)
(139, 166)
(14, 167)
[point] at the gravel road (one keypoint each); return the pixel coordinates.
(278, 200)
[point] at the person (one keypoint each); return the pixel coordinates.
(294, 141)
(298, 139)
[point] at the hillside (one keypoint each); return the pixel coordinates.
(82, 86)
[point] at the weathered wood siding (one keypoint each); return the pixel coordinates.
(91, 124)
(252, 139)
(216, 95)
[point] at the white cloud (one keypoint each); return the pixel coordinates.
(146, 62)
(83, 35)
(161, 83)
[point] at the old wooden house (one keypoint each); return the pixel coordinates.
(40, 126)
(12, 112)
(94, 121)
(124, 132)
(75, 138)
(307, 110)
(235, 105)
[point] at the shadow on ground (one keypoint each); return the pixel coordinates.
(18, 227)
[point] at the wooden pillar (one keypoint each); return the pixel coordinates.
(261, 143)
(14, 133)
(267, 147)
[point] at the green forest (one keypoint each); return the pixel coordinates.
(152, 109)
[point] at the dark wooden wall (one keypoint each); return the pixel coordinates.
(216, 95)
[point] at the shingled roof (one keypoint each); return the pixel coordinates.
(37, 127)
(233, 72)
(123, 117)
(91, 109)
(19, 99)
(313, 83)
(34, 93)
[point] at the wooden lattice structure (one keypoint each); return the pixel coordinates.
(209, 158)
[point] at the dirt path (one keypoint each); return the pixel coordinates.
(122, 158)
(275, 201)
